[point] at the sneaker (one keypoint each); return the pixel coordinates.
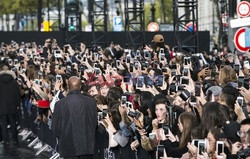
(23, 132)
(38, 145)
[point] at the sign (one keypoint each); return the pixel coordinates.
(241, 22)
(153, 27)
(190, 27)
(243, 9)
(166, 27)
(240, 40)
(247, 37)
(117, 23)
(46, 26)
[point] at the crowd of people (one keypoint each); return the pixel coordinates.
(149, 102)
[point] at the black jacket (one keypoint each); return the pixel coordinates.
(9, 93)
(74, 123)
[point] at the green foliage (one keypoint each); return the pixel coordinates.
(168, 11)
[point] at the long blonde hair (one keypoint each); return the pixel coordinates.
(227, 74)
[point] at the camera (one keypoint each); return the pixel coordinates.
(38, 82)
(243, 153)
(185, 95)
(134, 114)
(58, 77)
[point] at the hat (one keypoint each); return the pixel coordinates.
(215, 89)
(158, 38)
(229, 55)
(230, 132)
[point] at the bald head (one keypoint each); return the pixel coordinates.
(74, 83)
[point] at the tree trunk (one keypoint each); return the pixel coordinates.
(187, 16)
(220, 22)
(163, 11)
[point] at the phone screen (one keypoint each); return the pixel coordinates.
(246, 83)
(140, 81)
(220, 147)
(240, 100)
(185, 71)
(201, 147)
(197, 89)
(237, 68)
(160, 151)
(240, 81)
(159, 81)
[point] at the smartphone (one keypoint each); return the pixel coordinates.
(213, 73)
(246, 83)
(38, 82)
(219, 147)
(197, 89)
(146, 54)
(201, 146)
(118, 63)
(100, 58)
(152, 136)
(104, 113)
(165, 127)
(240, 100)
(240, 81)
(140, 81)
(136, 65)
(23, 71)
(129, 105)
(162, 57)
(124, 99)
(173, 66)
(195, 142)
(185, 71)
(15, 62)
(160, 151)
(246, 64)
(187, 60)
(184, 80)
(126, 79)
(58, 77)
(128, 58)
(131, 67)
(237, 68)
(159, 80)
(97, 71)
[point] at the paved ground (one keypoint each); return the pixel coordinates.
(18, 152)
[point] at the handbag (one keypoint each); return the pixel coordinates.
(54, 100)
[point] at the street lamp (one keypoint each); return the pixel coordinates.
(153, 10)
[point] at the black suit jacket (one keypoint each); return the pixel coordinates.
(74, 123)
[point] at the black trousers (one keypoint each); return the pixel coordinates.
(4, 119)
(80, 157)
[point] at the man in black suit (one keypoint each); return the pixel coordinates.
(74, 123)
(10, 100)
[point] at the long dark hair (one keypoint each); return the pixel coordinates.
(115, 115)
(213, 115)
(188, 121)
